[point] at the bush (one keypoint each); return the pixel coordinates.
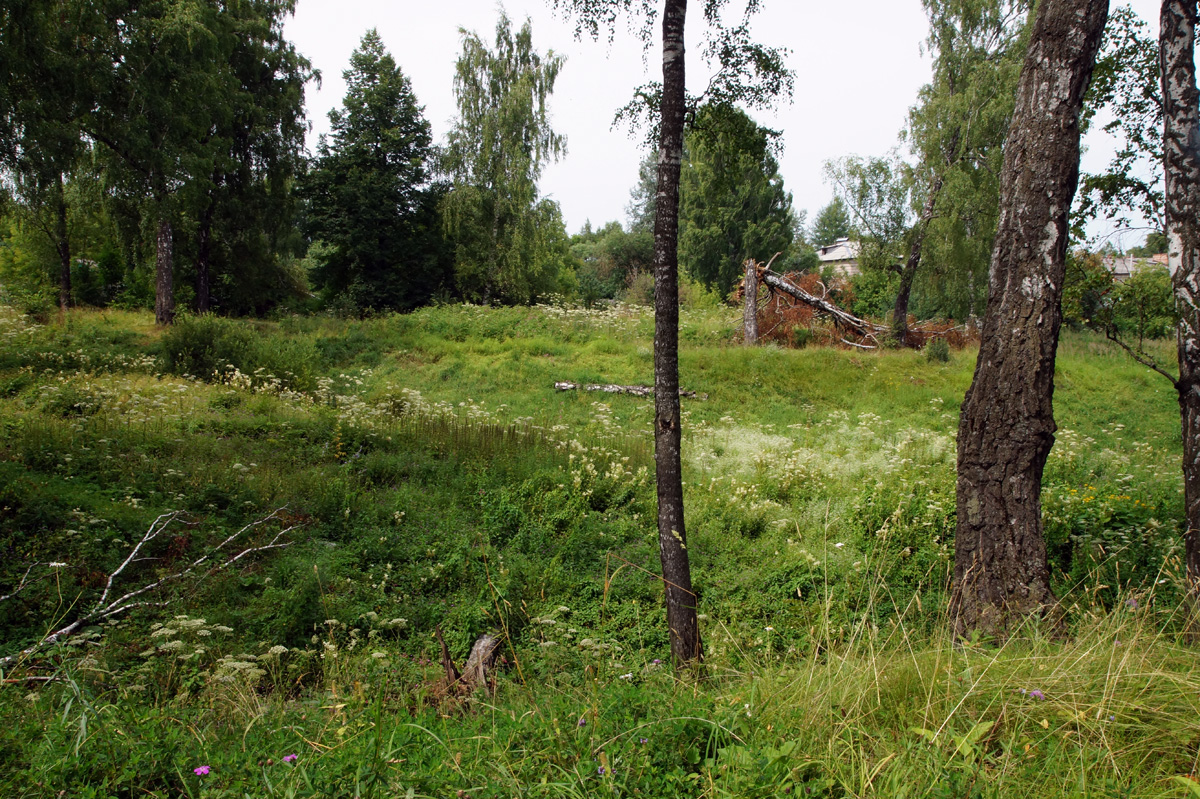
(205, 345)
(937, 351)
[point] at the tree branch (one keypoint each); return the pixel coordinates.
(104, 609)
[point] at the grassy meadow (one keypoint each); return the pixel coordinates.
(311, 497)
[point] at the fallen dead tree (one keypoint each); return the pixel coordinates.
(850, 330)
(842, 319)
(612, 388)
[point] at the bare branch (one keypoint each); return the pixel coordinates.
(25, 581)
(104, 609)
(1139, 356)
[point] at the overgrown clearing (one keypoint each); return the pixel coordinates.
(439, 479)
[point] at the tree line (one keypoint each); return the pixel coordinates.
(153, 154)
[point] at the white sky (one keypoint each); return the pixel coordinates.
(858, 68)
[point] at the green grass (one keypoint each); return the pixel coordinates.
(432, 476)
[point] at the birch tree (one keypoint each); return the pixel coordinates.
(748, 74)
(1181, 160)
(508, 244)
(956, 130)
(1007, 425)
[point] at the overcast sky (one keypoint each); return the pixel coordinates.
(858, 68)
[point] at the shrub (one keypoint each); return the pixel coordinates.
(205, 345)
(937, 351)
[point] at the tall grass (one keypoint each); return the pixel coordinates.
(439, 480)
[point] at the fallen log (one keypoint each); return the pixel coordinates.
(867, 331)
(840, 316)
(612, 388)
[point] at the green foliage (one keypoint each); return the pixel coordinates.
(874, 292)
(509, 246)
(370, 202)
(875, 192)
(1155, 244)
(937, 351)
(831, 223)
(609, 258)
(1126, 83)
(1144, 305)
(732, 205)
(212, 348)
(1086, 291)
(820, 490)
(957, 130)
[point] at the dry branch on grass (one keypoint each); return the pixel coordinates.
(613, 388)
(106, 607)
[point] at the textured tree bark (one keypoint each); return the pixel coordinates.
(900, 309)
(63, 245)
(1181, 155)
(750, 311)
(164, 278)
(1007, 423)
(686, 648)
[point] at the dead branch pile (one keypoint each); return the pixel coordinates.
(790, 303)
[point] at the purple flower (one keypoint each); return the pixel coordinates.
(582, 722)
(289, 758)
(657, 662)
(642, 740)
(1036, 694)
(600, 771)
(201, 770)
(1131, 604)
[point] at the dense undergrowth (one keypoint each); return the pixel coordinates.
(400, 473)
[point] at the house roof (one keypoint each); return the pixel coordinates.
(840, 250)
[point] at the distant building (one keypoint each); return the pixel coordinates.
(1123, 266)
(841, 257)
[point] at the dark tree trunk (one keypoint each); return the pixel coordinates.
(164, 278)
(750, 311)
(900, 309)
(1181, 154)
(62, 243)
(1007, 423)
(681, 601)
(203, 258)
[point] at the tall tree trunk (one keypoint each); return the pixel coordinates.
(1007, 423)
(1181, 154)
(681, 601)
(750, 310)
(900, 309)
(204, 257)
(62, 243)
(164, 278)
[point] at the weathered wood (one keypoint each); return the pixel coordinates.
(613, 388)
(847, 320)
(452, 674)
(750, 311)
(480, 663)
